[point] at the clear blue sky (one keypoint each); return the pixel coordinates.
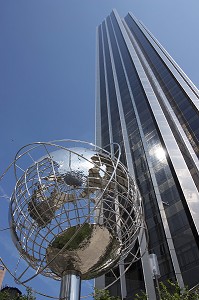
(47, 64)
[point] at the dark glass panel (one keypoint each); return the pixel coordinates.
(185, 111)
(103, 100)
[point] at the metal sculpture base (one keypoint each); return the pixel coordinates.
(70, 286)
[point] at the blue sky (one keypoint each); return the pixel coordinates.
(47, 65)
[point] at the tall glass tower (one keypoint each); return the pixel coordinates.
(147, 104)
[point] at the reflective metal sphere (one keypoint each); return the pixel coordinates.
(75, 209)
(93, 250)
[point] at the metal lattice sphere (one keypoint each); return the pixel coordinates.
(74, 209)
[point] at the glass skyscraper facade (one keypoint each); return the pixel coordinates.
(147, 104)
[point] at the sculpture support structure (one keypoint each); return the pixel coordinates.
(70, 286)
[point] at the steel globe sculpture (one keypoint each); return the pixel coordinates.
(75, 212)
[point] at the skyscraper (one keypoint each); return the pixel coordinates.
(147, 104)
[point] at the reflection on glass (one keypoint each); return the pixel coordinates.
(159, 153)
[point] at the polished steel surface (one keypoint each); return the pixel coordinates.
(97, 251)
(73, 208)
(70, 286)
